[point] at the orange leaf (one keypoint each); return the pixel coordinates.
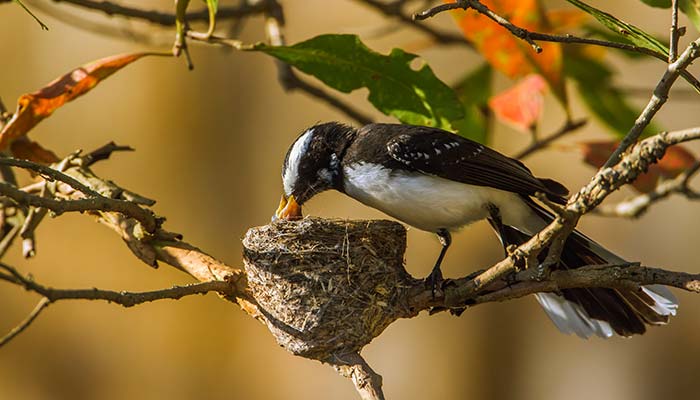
(25, 149)
(521, 105)
(511, 55)
(34, 107)
(676, 160)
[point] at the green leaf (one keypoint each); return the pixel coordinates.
(41, 24)
(474, 90)
(691, 8)
(658, 3)
(607, 102)
(213, 6)
(629, 31)
(343, 62)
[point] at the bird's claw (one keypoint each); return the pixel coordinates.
(435, 280)
(542, 272)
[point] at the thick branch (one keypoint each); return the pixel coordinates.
(525, 283)
(367, 382)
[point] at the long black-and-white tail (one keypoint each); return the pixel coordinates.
(597, 311)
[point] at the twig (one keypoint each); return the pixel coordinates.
(7, 240)
(41, 305)
(166, 19)
(293, 82)
(675, 33)
(393, 9)
(274, 23)
(123, 298)
(103, 153)
(658, 98)
(636, 206)
(569, 126)
(93, 204)
(50, 173)
(566, 38)
(367, 382)
(519, 32)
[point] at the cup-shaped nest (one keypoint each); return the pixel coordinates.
(327, 287)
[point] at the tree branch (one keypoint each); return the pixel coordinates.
(636, 206)
(519, 32)
(536, 145)
(393, 9)
(167, 19)
(658, 98)
(529, 37)
(123, 298)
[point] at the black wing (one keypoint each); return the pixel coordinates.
(440, 153)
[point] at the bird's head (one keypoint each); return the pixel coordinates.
(313, 165)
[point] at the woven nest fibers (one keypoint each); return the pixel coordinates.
(327, 287)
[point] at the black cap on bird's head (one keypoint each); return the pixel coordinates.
(312, 165)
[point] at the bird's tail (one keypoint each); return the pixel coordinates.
(599, 311)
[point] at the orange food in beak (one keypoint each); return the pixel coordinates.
(288, 209)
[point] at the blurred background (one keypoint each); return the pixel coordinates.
(210, 143)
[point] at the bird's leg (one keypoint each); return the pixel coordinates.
(497, 224)
(435, 276)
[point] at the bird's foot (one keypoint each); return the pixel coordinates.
(434, 280)
(542, 272)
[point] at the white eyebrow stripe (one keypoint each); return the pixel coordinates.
(291, 171)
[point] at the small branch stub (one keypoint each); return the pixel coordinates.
(327, 287)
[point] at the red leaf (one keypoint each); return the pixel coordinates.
(34, 107)
(521, 105)
(676, 160)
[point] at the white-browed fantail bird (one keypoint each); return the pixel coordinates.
(439, 182)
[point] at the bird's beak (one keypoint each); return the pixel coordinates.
(288, 209)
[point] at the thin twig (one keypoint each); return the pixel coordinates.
(393, 9)
(93, 204)
(123, 298)
(675, 33)
(546, 37)
(103, 153)
(519, 32)
(293, 82)
(41, 305)
(569, 126)
(167, 19)
(50, 173)
(658, 98)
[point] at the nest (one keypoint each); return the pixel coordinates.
(327, 287)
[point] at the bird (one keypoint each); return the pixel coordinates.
(439, 182)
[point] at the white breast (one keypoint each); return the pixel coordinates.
(431, 203)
